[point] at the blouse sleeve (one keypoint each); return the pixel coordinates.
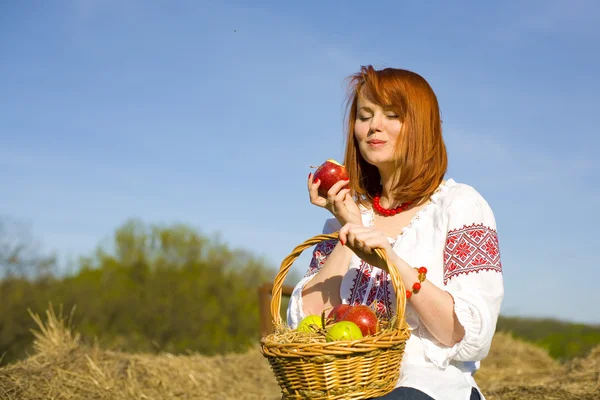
(295, 312)
(473, 276)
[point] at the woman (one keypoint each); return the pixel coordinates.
(397, 199)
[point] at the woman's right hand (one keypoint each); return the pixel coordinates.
(338, 201)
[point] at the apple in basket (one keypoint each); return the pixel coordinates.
(311, 323)
(343, 330)
(338, 312)
(329, 173)
(364, 317)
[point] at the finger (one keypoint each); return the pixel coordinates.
(374, 242)
(364, 233)
(365, 238)
(334, 190)
(343, 233)
(367, 233)
(338, 200)
(353, 241)
(348, 197)
(361, 230)
(313, 191)
(339, 184)
(361, 244)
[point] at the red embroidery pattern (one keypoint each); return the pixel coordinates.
(360, 283)
(378, 293)
(469, 249)
(374, 292)
(320, 254)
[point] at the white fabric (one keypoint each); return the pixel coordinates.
(454, 236)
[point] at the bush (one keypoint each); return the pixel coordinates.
(160, 289)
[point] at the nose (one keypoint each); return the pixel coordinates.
(376, 123)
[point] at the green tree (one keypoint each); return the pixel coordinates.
(20, 253)
(155, 288)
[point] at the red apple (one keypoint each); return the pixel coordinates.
(329, 173)
(364, 317)
(338, 312)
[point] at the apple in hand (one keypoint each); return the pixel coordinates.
(329, 173)
(343, 330)
(364, 317)
(338, 312)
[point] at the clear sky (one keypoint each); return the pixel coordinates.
(211, 112)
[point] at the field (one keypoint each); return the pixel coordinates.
(62, 367)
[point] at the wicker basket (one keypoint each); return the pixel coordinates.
(358, 369)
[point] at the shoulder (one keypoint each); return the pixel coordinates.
(458, 194)
(463, 204)
(458, 191)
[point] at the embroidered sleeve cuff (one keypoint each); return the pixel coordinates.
(441, 355)
(479, 330)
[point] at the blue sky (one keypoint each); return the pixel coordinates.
(211, 112)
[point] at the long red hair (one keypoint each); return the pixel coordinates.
(421, 153)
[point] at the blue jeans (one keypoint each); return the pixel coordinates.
(407, 393)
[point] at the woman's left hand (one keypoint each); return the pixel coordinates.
(363, 241)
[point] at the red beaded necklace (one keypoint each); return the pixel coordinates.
(388, 212)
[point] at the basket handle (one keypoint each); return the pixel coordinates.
(286, 264)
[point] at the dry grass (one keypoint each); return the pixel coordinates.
(64, 368)
(518, 370)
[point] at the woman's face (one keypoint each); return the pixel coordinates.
(377, 130)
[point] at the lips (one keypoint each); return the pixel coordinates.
(376, 141)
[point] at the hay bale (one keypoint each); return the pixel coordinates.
(515, 370)
(515, 362)
(64, 368)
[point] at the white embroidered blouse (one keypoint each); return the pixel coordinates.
(455, 237)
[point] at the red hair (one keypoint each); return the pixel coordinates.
(420, 153)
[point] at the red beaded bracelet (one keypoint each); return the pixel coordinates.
(417, 285)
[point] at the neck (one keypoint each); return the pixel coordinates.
(387, 185)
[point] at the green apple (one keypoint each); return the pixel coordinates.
(343, 330)
(312, 323)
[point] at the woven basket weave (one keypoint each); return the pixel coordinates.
(358, 369)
